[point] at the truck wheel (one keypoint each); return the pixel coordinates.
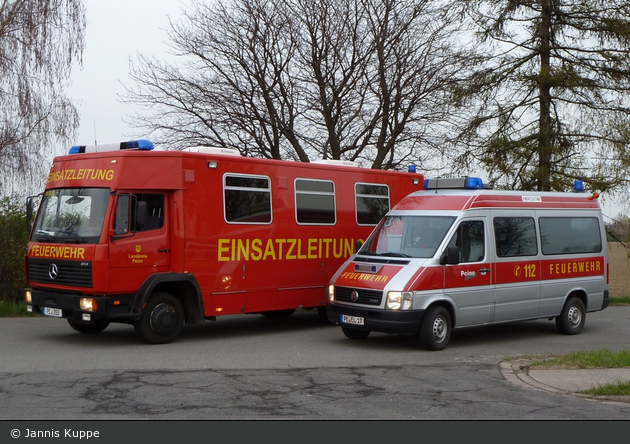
(571, 319)
(162, 319)
(435, 328)
(353, 333)
(89, 328)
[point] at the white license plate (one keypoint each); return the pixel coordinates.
(55, 312)
(356, 320)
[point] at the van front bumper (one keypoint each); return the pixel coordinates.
(383, 321)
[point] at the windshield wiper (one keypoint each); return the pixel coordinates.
(393, 254)
(47, 237)
(70, 235)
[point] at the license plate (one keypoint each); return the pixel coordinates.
(356, 320)
(54, 312)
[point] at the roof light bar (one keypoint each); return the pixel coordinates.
(141, 144)
(455, 183)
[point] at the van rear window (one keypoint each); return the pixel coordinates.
(570, 235)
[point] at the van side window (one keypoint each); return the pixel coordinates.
(470, 239)
(515, 236)
(570, 235)
(247, 199)
(371, 203)
(314, 201)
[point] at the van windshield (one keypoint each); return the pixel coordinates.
(71, 215)
(408, 236)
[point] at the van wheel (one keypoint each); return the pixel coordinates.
(278, 314)
(88, 328)
(353, 333)
(162, 319)
(571, 319)
(435, 328)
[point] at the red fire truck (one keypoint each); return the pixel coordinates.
(153, 238)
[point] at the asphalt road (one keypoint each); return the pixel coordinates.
(254, 368)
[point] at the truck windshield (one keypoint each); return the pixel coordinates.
(71, 215)
(407, 236)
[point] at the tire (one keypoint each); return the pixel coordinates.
(162, 320)
(278, 314)
(571, 319)
(435, 328)
(88, 327)
(353, 333)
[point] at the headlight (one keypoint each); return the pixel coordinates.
(88, 304)
(331, 293)
(28, 297)
(399, 300)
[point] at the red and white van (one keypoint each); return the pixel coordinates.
(457, 254)
(156, 239)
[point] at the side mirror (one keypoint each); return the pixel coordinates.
(450, 257)
(358, 246)
(30, 210)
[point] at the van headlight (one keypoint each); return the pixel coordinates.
(331, 293)
(399, 300)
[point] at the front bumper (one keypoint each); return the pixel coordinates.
(107, 308)
(384, 321)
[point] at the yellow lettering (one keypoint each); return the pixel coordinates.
(269, 250)
(292, 245)
(243, 248)
(299, 250)
(256, 250)
(223, 249)
(312, 249)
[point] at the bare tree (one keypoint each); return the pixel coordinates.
(40, 40)
(552, 101)
(366, 80)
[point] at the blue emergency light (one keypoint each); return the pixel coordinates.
(455, 183)
(578, 186)
(141, 144)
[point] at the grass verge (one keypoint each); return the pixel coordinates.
(620, 300)
(13, 309)
(593, 359)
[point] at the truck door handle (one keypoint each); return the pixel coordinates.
(163, 250)
(484, 270)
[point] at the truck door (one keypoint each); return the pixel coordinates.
(469, 283)
(139, 241)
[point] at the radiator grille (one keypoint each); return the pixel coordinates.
(365, 297)
(70, 273)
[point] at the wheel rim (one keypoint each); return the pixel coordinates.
(163, 319)
(575, 316)
(440, 329)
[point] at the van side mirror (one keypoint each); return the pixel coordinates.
(358, 246)
(450, 257)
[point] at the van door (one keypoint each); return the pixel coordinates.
(469, 283)
(518, 275)
(139, 245)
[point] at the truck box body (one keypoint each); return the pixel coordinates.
(223, 233)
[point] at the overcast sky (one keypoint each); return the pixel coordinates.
(117, 31)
